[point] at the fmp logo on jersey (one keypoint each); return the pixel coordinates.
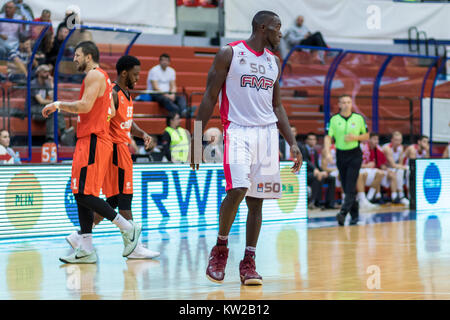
(24, 200)
(432, 183)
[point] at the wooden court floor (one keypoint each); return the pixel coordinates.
(400, 255)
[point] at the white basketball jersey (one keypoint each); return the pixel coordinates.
(395, 153)
(246, 96)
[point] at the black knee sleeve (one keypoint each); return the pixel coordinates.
(124, 201)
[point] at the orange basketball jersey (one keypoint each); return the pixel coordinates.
(96, 121)
(120, 126)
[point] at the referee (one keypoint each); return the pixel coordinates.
(348, 129)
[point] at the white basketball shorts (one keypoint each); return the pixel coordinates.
(251, 160)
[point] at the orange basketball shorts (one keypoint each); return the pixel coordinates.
(90, 164)
(119, 179)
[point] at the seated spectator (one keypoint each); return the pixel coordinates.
(375, 164)
(22, 9)
(61, 34)
(18, 61)
(299, 34)
(41, 95)
(7, 155)
(285, 148)
(316, 177)
(45, 17)
(175, 140)
(393, 152)
(9, 32)
(162, 78)
(331, 167)
(213, 151)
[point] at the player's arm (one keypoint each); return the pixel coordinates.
(217, 75)
(216, 78)
(283, 122)
(92, 84)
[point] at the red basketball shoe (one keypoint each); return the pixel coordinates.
(217, 263)
(247, 269)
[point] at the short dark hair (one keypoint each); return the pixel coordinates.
(46, 11)
(171, 116)
(262, 17)
(422, 137)
(374, 134)
(311, 134)
(89, 47)
(126, 63)
(164, 55)
(23, 37)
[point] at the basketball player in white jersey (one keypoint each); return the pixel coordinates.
(245, 75)
(393, 152)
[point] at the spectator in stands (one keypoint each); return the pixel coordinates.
(285, 150)
(41, 95)
(7, 155)
(45, 17)
(61, 34)
(213, 150)
(175, 139)
(22, 9)
(446, 154)
(299, 34)
(18, 61)
(316, 177)
(162, 78)
(375, 164)
(9, 32)
(393, 152)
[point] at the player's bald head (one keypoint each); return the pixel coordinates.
(262, 18)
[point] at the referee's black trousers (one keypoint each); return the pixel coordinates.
(349, 164)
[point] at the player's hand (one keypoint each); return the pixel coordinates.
(298, 158)
(50, 108)
(147, 141)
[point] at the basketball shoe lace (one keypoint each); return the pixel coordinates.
(219, 257)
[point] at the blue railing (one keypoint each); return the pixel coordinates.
(60, 56)
(336, 62)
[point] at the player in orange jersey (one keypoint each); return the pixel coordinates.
(93, 153)
(118, 184)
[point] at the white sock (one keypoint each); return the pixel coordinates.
(378, 196)
(401, 194)
(394, 195)
(86, 242)
(361, 196)
(371, 193)
(122, 223)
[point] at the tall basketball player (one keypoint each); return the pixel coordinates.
(93, 153)
(118, 184)
(245, 75)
